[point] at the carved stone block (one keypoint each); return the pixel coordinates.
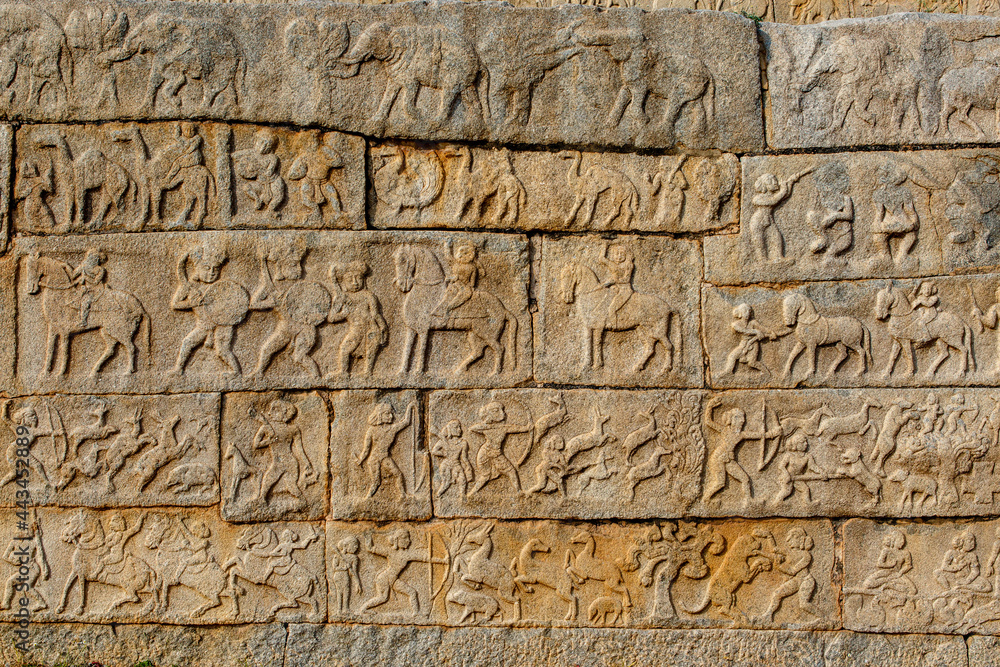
(619, 313)
(579, 454)
(119, 177)
(863, 333)
(379, 462)
(241, 310)
(861, 215)
(114, 451)
(774, 574)
(8, 324)
(496, 647)
(139, 566)
(85, 643)
(571, 75)
(894, 80)
(274, 456)
(850, 453)
(921, 577)
(460, 186)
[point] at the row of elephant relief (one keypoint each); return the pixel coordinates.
(103, 58)
(128, 177)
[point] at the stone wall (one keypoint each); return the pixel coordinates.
(465, 334)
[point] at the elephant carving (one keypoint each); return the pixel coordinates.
(183, 52)
(415, 57)
(33, 44)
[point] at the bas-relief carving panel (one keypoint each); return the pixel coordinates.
(566, 75)
(164, 566)
(899, 333)
(861, 215)
(852, 453)
(620, 312)
(183, 176)
(921, 577)
(379, 462)
(241, 310)
(274, 456)
(895, 80)
(114, 451)
(566, 454)
(461, 186)
(772, 574)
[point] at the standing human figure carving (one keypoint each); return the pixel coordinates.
(260, 170)
(313, 167)
(398, 556)
(356, 305)
(765, 235)
(376, 449)
(218, 306)
(723, 464)
(289, 469)
(491, 460)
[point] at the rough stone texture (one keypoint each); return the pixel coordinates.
(499, 74)
(921, 577)
(119, 177)
(240, 310)
(588, 332)
(126, 645)
(982, 651)
(771, 574)
(467, 187)
(183, 567)
(906, 79)
(339, 645)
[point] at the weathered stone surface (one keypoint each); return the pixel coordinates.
(619, 312)
(178, 176)
(127, 645)
(851, 453)
(861, 215)
(167, 566)
(275, 448)
(774, 574)
(982, 650)
(241, 310)
(592, 647)
(114, 451)
(566, 454)
(566, 75)
(897, 80)
(8, 324)
(458, 186)
(921, 577)
(854, 333)
(378, 458)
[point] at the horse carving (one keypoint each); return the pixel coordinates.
(909, 329)
(114, 314)
(647, 315)
(439, 302)
(98, 559)
(813, 331)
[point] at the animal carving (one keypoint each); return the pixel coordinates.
(586, 566)
(967, 88)
(531, 571)
(599, 184)
(749, 556)
(813, 331)
(406, 178)
(33, 45)
(416, 57)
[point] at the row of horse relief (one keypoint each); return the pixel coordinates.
(515, 454)
(359, 307)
